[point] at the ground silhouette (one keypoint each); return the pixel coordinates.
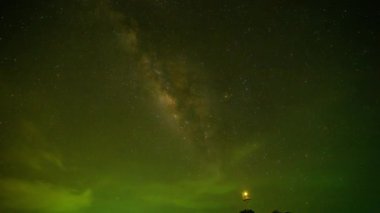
(276, 211)
(247, 211)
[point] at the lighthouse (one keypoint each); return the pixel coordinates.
(246, 197)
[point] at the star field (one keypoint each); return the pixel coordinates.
(181, 106)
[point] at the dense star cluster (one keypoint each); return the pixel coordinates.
(173, 106)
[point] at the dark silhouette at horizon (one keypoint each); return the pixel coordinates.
(247, 211)
(276, 211)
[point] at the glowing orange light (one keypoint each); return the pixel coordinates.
(245, 196)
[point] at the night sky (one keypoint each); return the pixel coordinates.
(173, 106)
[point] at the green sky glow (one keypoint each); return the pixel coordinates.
(179, 106)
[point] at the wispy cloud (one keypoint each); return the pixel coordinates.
(242, 153)
(18, 194)
(188, 194)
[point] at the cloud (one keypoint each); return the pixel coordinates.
(241, 154)
(17, 194)
(190, 194)
(35, 152)
(34, 159)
